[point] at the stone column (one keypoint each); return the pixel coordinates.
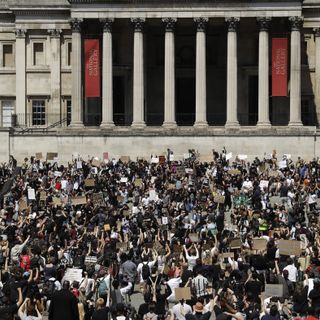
(76, 106)
(201, 76)
(169, 74)
(317, 67)
(107, 76)
(55, 109)
(295, 72)
(232, 74)
(138, 74)
(21, 76)
(263, 99)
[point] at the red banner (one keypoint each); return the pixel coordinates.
(279, 67)
(92, 68)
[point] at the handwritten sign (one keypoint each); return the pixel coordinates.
(89, 182)
(98, 200)
(259, 244)
(218, 198)
(182, 293)
(96, 163)
(289, 247)
(90, 260)
(235, 243)
(138, 183)
(273, 290)
(52, 155)
(79, 200)
(72, 274)
(234, 172)
(31, 194)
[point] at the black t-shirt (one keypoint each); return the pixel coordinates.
(7, 311)
(254, 287)
(101, 314)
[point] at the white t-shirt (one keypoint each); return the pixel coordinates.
(173, 284)
(180, 311)
(293, 272)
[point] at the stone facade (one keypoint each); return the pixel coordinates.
(168, 68)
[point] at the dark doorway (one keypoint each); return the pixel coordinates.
(186, 95)
(253, 102)
(92, 112)
(119, 101)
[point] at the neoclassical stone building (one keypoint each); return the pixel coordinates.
(138, 76)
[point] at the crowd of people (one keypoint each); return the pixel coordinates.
(160, 239)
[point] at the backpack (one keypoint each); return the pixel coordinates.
(102, 287)
(25, 263)
(49, 287)
(145, 271)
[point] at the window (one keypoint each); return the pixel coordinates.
(69, 54)
(68, 112)
(38, 112)
(7, 55)
(38, 54)
(7, 111)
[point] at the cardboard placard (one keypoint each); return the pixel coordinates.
(171, 186)
(228, 255)
(218, 198)
(98, 200)
(235, 243)
(125, 159)
(234, 172)
(122, 245)
(23, 205)
(72, 274)
(43, 196)
(39, 155)
(182, 293)
(273, 290)
(56, 201)
(89, 182)
(289, 247)
(194, 237)
(52, 155)
(31, 194)
(107, 227)
(273, 173)
(259, 244)
(90, 260)
(79, 200)
(242, 156)
(205, 158)
(96, 163)
(138, 183)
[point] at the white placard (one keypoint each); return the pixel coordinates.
(154, 160)
(152, 194)
(124, 179)
(264, 184)
(79, 164)
(164, 220)
(64, 184)
(229, 156)
(31, 194)
(72, 274)
(57, 174)
(171, 157)
(282, 164)
(242, 156)
(287, 155)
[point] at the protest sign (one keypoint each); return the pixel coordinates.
(186, 156)
(273, 290)
(171, 186)
(259, 244)
(79, 164)
(152, 194)
(138, 183)
(235, 243)
(155, 160)
(43, 196)
(31, 194)
(242, 156)
(194, 237)
(182, 293)
(122, 245)
(229, 156)
(228, 255)
(218, 198)
(164, 220)
(289, 247)
(56, 201)
(39, 155)
(89, 182)
(189, 171)
(96, 163)
(125, 159)
(98, 200)
(57, 174)
(282, 164)
(124, 180)
(52, 155)
(264, 184)
(107, 227)
(79, 200)
(234, 172)
(72, 274)
(23, 205)
(273, 173)
(64, 184)
(90, 260)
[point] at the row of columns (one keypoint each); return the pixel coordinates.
(169, 70)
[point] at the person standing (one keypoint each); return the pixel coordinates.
(64, 304)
